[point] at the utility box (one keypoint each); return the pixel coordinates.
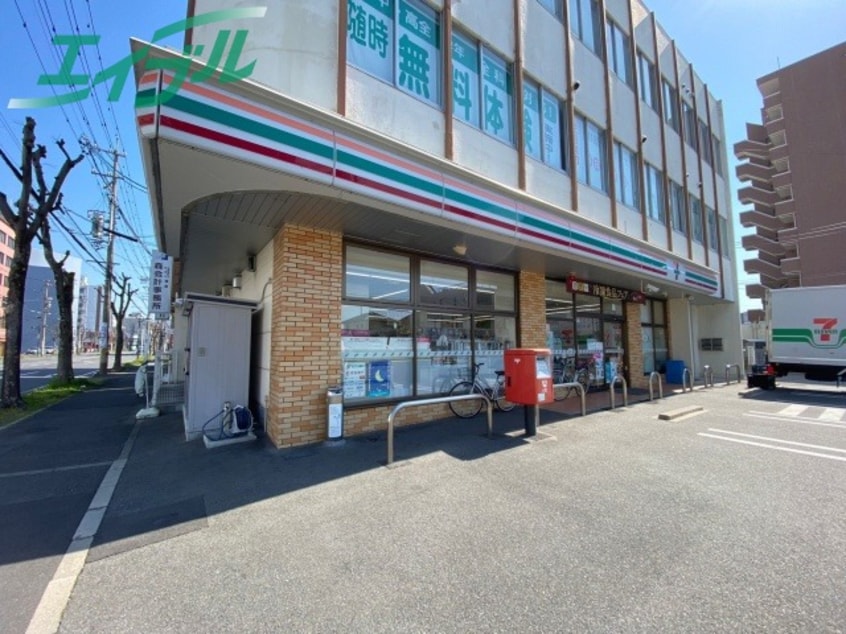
(528, 376)
(217, 359)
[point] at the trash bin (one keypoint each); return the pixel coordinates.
(335, 413)
(675, 371)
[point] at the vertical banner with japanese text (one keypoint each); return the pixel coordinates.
(161, 271)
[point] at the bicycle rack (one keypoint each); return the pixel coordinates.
(434, 401)
(622, 382)
(579, 387)
(729, 366)
(707, 376)
(655, 375)
(689, 381)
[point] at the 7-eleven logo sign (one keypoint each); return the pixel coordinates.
(826, 328)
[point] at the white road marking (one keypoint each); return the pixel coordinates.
(795, 419)
(784, 442)
(793, 410)
(776, 447)
(832, 414)
(48, 615)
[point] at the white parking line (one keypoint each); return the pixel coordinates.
(832, 414)
(795, 419)
(776, 447)
(21, 474)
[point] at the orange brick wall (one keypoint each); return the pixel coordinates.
(532, 293)
(305, 343)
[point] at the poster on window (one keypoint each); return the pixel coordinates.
(465, 80)
(551, 131)
(379, 379)
(355, 380)
(419, 52)
(531, 120)
(370, 36)
(496, 101)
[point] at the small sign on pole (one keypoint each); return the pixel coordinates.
(161, 271)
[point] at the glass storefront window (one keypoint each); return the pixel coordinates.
(443, 351)
(377, 275)
(377, 348)
(654, 335)
(492, 335)
(494, 291)
(443, 284)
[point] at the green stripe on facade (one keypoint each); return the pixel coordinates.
(233, 120)
(481, 204)
(377, 169)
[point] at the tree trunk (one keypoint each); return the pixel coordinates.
(64, 294)
(118, 364)
(11, 391)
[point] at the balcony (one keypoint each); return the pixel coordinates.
(761, 244)
(751, 195)
(754, 172)
(788, 236)
(764, 269)
(785, 211)
(781, 179)
(777, 153)
(760, 219)
(791, 267)
(756, 291)
(752, 149)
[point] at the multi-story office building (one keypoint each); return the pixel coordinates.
(41, 310)
(88, 319)
(409, 187)
(794, 170)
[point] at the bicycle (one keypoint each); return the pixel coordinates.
(470, 407)
(567, 372)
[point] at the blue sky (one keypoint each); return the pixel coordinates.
(730, 43)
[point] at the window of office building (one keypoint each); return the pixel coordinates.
(627, 176)
(553, 6)
(654, 193)
(696, 219)
(585, 23)
(482, 93)
(689, 124)
(648, 81)
(718, 155)
(591, 154)
(619, 52)
(414, 326)
(671, 105)
(398, 41)
(705, 142)
(653, 325)
(724, 245)
(677, 208)
(711, 218)
(543, 125)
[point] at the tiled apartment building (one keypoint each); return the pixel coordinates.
(794, 169)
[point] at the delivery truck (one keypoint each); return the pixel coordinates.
(806, 333)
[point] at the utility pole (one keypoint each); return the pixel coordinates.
(45, 313)
(110, 254)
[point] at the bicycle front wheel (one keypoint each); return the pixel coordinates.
(467, 408)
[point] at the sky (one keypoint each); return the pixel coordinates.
(729, 42)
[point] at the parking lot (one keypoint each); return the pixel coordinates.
(728, 520)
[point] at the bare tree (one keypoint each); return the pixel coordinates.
(35, 203)
(124, 297)
(64, 294)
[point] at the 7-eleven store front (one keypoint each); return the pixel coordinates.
(382, 267)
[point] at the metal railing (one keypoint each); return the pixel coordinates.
(689, 381)
(729, 366)
(579, 387)
(434, 401)
(655, 375)
(619, 378)
(707, 376)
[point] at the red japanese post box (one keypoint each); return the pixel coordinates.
(528, 376)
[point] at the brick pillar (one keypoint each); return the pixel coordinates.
(305, 343)
(634, 347)
(532, 293)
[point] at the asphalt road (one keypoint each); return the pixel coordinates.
(39, 370)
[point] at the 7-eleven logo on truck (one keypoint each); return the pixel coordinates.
(826, 330)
